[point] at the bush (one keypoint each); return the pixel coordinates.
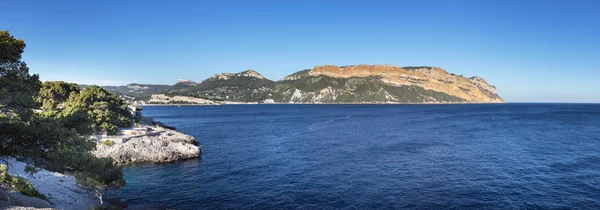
(109, 128)
(31, 169)
(26, 188)
(108, 143)
(3, 172)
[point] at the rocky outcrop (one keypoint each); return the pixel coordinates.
(185, 81)
(164, 99)
(297, 75)
(165, 146)
(227, 76)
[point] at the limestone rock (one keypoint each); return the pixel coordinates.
(168, 146)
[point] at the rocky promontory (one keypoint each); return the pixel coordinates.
(148, 142)
(164, 99)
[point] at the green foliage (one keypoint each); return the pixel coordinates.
(17, 86)
(55, 93)
(92, 107)
(363, 89)
(42, 137)
(99, 175)
(54, 139)
(3, 172)
(235, 88)
(31, 169)
(17, 92)
(19, 184)
(142, 94)
(25, 187)
(106, 111)
(108, 143)
(76, 119)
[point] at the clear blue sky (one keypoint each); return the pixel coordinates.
(533, 51)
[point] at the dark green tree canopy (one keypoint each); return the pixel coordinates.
(10, 48)
(54, 93)
(17, 87)
(107, 111)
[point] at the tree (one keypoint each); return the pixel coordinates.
(101, 174)
(57, 140)
(107, 111)
(17, 92)
(17, 86)
(54, 93)
(57, 93)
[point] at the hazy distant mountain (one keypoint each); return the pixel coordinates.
(134, 91)
(329, 84)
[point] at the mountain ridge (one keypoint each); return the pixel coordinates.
(335, 84)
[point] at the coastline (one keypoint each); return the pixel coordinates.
(395, 103)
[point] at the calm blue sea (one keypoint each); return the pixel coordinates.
(497, 156)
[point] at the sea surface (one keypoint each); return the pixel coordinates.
(495, 156)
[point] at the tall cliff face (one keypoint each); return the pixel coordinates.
(474, 89)
(382, 84)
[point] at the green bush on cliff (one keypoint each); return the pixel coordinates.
(108, 143)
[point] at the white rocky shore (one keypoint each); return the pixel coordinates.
(150, 142)
(60, 189)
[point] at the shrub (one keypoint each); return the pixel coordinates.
(26, 188)
(108, 143)
(3, 172)
(109, 128)
(31, 169)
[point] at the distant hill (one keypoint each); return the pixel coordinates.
(327, 84)
(134, 91)
(246, 86)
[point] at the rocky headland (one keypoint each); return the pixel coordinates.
(149, 142)
(474, 89)
(178, 100)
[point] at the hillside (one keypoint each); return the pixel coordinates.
(246, 86)
(325, 84)
(134, 91)
(382, 84)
